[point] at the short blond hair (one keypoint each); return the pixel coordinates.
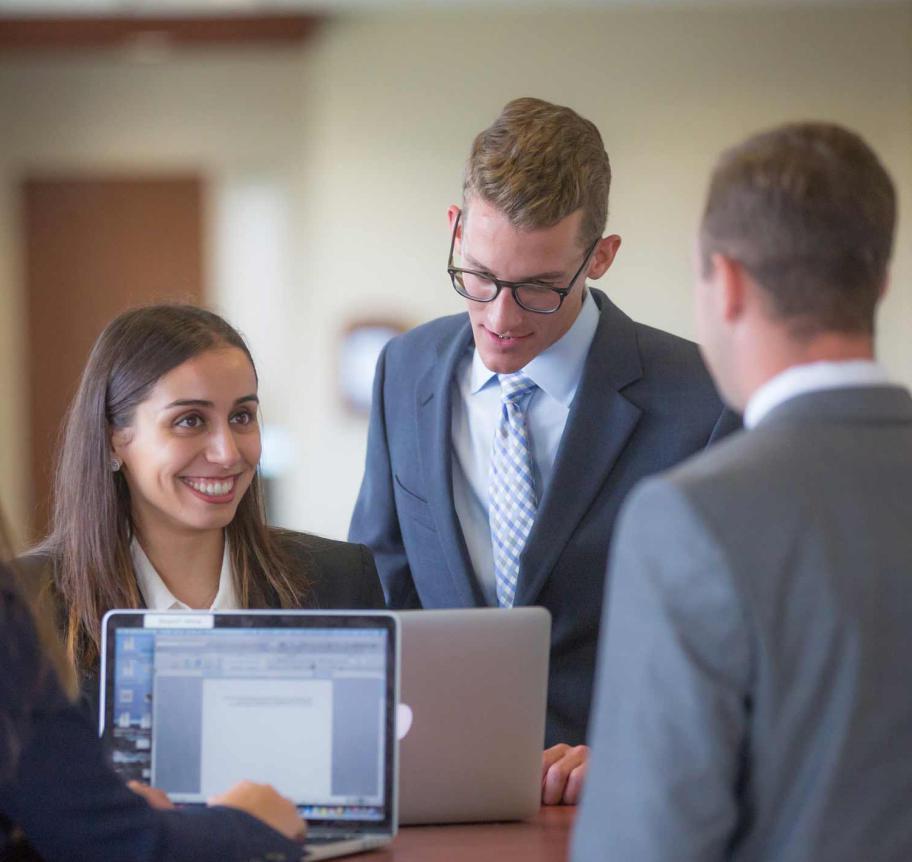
(538, 163)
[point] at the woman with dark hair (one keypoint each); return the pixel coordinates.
(58, 797)
(158, 501)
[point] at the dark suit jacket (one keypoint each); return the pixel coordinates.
(58, 789)
(754, 696)
(645, 402)
(342, 575)
(338, 576)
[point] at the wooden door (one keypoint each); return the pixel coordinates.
(94, 247)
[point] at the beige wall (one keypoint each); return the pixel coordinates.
(367, 131)
(232, 116)
(397, 99)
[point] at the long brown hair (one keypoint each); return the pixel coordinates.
(91, 528)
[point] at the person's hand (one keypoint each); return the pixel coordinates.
(264, 802)
(155, 797)
(563, 774)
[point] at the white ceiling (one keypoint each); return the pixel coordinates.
(215, 7)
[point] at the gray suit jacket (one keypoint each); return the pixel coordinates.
(645, 402)
(754, 687)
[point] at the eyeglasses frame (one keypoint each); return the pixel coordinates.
(512, 286)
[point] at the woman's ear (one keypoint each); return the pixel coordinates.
(119, 439)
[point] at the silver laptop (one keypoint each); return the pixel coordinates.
(303, 700)
(475, 683)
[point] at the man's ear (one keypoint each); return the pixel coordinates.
(731, 287)
(603, 256)
(453, 212)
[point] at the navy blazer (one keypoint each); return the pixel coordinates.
(645, 402)
(57, 788)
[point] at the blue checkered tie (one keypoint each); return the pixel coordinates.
(512, 500)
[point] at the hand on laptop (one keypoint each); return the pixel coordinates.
(265, 803)
(563, 773)
(155, 797)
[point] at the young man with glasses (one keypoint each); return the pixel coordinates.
(502, 443)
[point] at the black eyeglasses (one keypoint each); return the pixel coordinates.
(530, 295)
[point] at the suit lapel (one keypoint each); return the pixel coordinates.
(435, 447)
(599, 424)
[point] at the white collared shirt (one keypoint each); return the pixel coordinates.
(158, 597)
(812, 377)
(557, 372)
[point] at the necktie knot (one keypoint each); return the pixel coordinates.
(514, 387)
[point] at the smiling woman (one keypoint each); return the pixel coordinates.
(157, 497)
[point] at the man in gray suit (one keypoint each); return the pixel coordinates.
(754, 687)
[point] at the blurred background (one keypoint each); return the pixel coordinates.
(290, 164)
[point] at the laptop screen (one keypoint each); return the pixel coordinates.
(302, 701)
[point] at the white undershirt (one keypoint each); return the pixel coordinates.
(158, 597)
(812, 377)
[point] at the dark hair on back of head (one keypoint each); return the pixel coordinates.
(809, 211)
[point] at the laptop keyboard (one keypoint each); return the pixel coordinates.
(316, 840)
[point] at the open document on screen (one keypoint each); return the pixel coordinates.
(302, 709)
(273, 717)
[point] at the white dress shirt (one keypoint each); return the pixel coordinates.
(557, 372)
(158, 597)
(812, 377)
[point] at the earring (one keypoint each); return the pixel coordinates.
(116, 464)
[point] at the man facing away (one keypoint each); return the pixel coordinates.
(502, 441)
(753, 696)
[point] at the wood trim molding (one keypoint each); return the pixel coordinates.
(50, 33)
